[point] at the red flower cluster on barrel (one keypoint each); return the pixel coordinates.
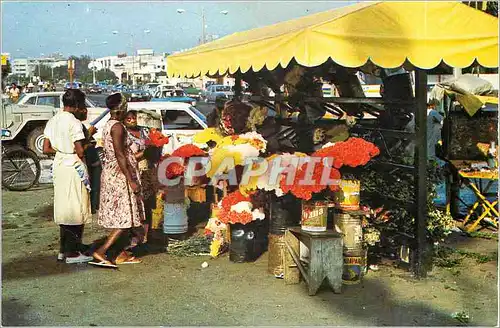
(156, 138)
(228, 216)
(304, 190)
(177, 169)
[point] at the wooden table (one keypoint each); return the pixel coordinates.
(326, 258)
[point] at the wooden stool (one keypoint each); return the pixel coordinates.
(326, 258)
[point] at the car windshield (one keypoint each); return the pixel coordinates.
(199, 114)
(223, 88)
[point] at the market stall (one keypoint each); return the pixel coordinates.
(470, 147)
(293, 58)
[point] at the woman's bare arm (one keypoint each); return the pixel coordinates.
(118, 134)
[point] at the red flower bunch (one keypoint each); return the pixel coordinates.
(187, 151)
(174, 170)
(353, 152)
(156, 138)
(225, 215)
(305, 190)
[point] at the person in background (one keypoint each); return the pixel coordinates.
(147, 165)
(14, 92)
(64, 137)
(214, 116)
(120, 206)
(434, 125)
(31, 86)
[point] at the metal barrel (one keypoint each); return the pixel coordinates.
(284, 212)
(248, 241)
(276, 253)
(349, 224)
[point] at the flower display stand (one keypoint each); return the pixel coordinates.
(326, 258)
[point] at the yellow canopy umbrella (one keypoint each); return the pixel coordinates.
(387, 33)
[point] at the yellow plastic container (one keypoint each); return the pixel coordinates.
(157, 217)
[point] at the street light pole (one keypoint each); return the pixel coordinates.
(203, 25)
(203, 21)
(132, 41)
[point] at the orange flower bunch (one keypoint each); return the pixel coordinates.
(156, 138)
(353, 152)
(187, 151)
(174, 170)
(227, 216)
(305, 191)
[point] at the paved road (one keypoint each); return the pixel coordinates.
(100, 99)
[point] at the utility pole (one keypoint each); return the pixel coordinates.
(203, 39)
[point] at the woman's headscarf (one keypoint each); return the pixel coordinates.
(116, 103)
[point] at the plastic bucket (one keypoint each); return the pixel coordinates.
(354, 266)
(350, 226)
(314, 216)
(175, 218)
(347, 198)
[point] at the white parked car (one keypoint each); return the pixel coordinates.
(26, 118)
(53, 99)
(180, 121)
(216, 90)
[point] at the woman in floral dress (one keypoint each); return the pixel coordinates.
(147, 167)
(120, 206)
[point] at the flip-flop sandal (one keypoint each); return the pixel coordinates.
(104, 264)
(130, 260)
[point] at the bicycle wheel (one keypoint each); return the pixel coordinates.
(20, 169)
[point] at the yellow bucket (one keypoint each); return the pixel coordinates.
(314, 216)
(348, 196)
(157, 217)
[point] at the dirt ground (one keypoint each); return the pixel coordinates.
(168, 290)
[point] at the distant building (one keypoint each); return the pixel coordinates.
(144, 66)
(27, 67)
(22, 67)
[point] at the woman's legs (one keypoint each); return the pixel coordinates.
(99, 254)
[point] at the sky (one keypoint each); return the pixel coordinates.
(30, 29)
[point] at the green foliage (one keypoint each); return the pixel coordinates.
(395, 191)
(448, 257)
(6, 69)
(484, 235)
